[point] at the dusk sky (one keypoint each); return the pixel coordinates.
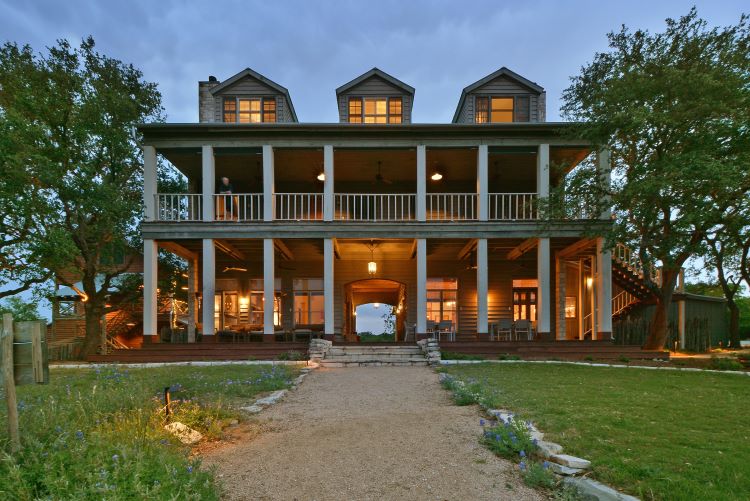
(312, 47)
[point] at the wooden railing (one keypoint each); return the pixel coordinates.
(299, 206)
(451, 206)
(621, 301)
(512, 206)
(238, 207)
(179, 207)
(375, 207)
(626, 257)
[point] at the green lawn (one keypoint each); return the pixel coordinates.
(654, 434)
(98, 433)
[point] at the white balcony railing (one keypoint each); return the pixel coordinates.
(238, 207)
(299, 206)
(375, 207)
(622, 301)
(451, 206)
(512, 206)
(179, 207)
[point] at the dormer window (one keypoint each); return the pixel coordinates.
(501, 109)
(249, 110)
(375, 110)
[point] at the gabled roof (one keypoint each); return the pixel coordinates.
(247, 72)
(378, 73)
(533, 86)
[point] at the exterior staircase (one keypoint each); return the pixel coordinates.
(634, 279)
(385, 355)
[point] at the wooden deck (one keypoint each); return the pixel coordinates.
(546, 350)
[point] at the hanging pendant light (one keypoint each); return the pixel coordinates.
(372, 266)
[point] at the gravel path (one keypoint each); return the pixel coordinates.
(365, 433)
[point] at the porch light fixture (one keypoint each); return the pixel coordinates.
(436, 176)
(321, 176)
(589, 282)
(376, 305)
(372, 266)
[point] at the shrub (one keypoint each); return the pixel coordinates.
(623, 359)
(506, 356)
(290, 355)
(510, 439)
(450, 355)
(588, 358)
(725, 364)
(539, 475)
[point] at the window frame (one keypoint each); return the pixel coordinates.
(390, 118)
(445, 295)
(262, 112)
(487, 100)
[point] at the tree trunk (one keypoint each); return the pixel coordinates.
(659, 328)
(92, 341)
(734, 324)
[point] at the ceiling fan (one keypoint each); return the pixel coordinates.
(379, 177)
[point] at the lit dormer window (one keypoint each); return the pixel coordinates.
(249, 110)
(377, 110)
(500, 109)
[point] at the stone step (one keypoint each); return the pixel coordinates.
(369, 358)
(338, 364)
(337, 353)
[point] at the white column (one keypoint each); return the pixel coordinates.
(483, 183)
(482, 288)
(421, 182)
(561, 278)
(149, 182)
(328, 198)
(269, 203)
(209, 287)
(603, 290)
(605, 177)
(328, 262)
(150, 300)
(268, 287)
(421, 286)
(192, 282)
(209, 182)
(542, 171)
(544, 293)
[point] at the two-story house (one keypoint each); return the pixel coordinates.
(440, 221)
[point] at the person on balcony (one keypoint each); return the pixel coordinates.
(225, 207)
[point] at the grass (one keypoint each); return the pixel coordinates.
(369, 337)
(655, 434)
(98, 433)
(450, 355)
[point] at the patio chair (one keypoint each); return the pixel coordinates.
(503, 330)
(431, 327)
(523, 330)
(446, 327)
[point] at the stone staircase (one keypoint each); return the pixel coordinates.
(371, 356)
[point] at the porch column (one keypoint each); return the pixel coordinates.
(542, 171)
(328, 262)
(268, 290)
(149, 182)
(482, 290)
(543, 296)
(482, 183)
(421, 182)
(603, 290)
(561, 277)
(421, 286)
(192, 279)
(269, 203)
(605, 178)
(209, 182)
(209, 287)
(150, 300)
(328, 198)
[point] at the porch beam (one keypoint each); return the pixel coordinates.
(268, 183)
(149, 182)
(413, 251)
(328, 197)
(209, 287)
(230, 250)
(421, 286)
(208, 173)
(522, 248)
(467, 249)
(285, 252)
(269, 290)
(576, 248)
(179, 250)
(328, 288)
(482, 289)
(150, 301)
(544, 293)
(336, 250)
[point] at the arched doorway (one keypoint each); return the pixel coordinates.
(374, 290)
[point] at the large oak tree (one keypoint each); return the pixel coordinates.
(674, 110)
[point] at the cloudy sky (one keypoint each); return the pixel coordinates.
(312, 47)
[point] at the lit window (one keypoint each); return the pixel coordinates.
(308, 301)
(230, 109)
(249, 111)
(442, 299)
(355, 110)
(394, 110)
(376, 110)
(481, 113)
(502, 109)
(269, 110)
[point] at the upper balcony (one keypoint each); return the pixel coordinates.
(383, 185)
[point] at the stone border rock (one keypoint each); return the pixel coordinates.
(570, 468)
(318, 349)
(590, 364)
(277, 395)
(197, 363)
(431, 350)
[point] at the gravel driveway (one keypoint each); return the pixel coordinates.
(365, 433)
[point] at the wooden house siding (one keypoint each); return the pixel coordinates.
(375, 87)
(246, 87)
(504, 86)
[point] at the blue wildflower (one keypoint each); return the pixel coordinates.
(522, 465)
(522, 454)
(545, 465)
(79, 435)
(115, 458)
(481, 422)
(190, 469)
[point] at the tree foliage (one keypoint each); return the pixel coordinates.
(69, 117)
(674, 110)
